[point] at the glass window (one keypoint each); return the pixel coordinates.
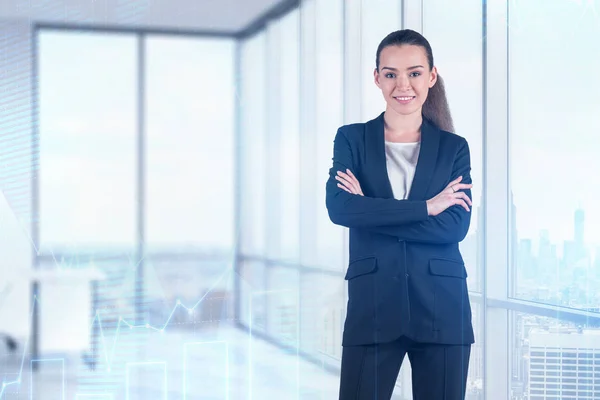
(171, 278)
(553, 126)
(253, 302)
(88, 140)
(379, 18)
(253, 145)
(283, 302)
(289, 138)
(189, 113)
(323, 310)
(329, 57)
(455, 37)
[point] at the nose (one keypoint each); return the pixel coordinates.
(403, 82)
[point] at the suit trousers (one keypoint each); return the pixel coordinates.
(439, 372)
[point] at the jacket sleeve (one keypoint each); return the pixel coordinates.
(355, 211)
(450, 226)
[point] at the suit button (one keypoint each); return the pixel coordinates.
(407, 276)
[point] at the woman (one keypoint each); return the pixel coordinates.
(401, 183)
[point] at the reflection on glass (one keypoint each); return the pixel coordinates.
(88, 135)
(555, 223)
(190, 98)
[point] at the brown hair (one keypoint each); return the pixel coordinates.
(435, 108)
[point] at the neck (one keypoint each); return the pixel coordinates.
(400, 127)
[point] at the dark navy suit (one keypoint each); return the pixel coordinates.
(407, 290)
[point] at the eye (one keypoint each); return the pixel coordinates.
(415, 74)
(390, 75)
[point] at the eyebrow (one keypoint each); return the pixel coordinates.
(409, 68)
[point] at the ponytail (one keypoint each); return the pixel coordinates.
(436, 108)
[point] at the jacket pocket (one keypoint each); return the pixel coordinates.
(452, 309)
(447, 267)
(361, 266)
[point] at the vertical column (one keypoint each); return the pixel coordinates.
(141, 180)
(238, 154)
(412, 16)
(35, 189)
(273, 137)
(496, 195)
(307, 131)
(352, 60)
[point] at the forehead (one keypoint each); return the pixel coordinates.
(402, 57)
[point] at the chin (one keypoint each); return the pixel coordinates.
(404, 110)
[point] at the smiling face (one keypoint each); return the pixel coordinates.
(404, 78)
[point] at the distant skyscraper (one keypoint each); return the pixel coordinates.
(574, 250)
(579, 226)
(563, 364)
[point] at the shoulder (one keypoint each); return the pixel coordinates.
(356, 131)
(453, 140)
(352, 131)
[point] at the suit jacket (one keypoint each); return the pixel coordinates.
(406, 275)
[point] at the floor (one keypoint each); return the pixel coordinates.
(224, 363)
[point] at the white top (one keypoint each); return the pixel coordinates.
(401, 159)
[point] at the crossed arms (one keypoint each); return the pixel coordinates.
(405, 219)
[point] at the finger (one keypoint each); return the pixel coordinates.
(454, 182)
(353, 182)
(343, 187)
(463, 186)
(345, 182)
(462, 203)
(458, 187)
(463, 195)
(352, 178)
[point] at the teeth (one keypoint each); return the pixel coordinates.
(404, 98)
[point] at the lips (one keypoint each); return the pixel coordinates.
(404, 99)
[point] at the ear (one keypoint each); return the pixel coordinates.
(433, 76)
(376, 78)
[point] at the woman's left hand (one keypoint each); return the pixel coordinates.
(349, 182)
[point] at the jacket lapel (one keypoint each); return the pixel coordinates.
(375, 156)
(430, 143)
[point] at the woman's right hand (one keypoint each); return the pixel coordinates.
(450, 196)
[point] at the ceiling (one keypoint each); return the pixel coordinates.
(226, 16)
